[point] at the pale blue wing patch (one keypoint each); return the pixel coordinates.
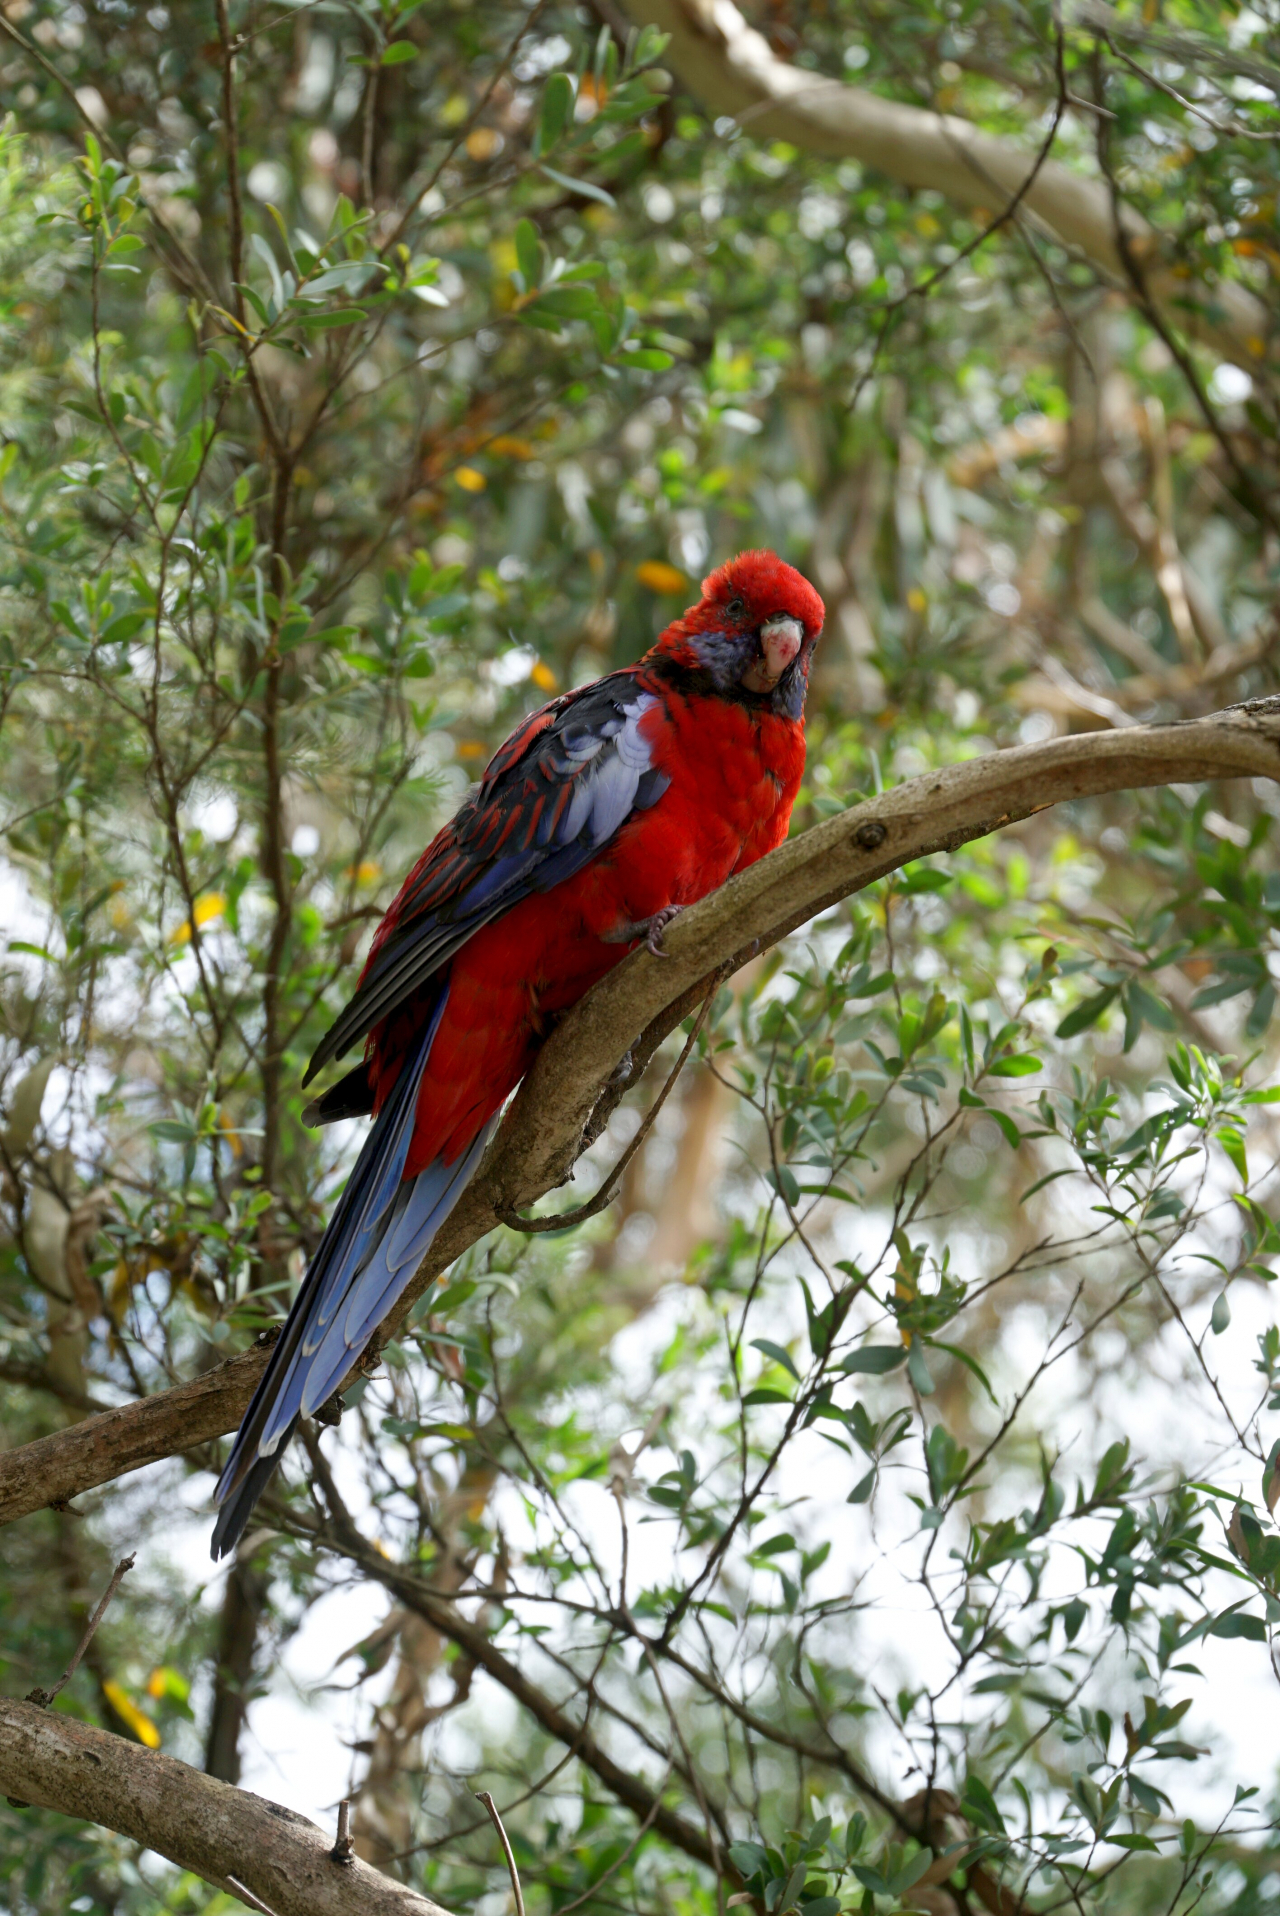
(422, 1207)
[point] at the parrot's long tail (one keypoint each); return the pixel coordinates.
(380, 1230)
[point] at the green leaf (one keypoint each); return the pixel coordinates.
(777, 1353)
(748, 1859)
(911, 1872)
(1232, 1142)
(1132, 1841)
(567, 302)
(399, 52)
(557, 110)
(970, 1363)
(126, 626)
(1088, 1013)
(918, 1369)
(649, 359)
(323, 322)
(980, 1805)
(863, 1488)
(529, 254)
(765, 1395)
(875, 1359)
(585, 189)
(1010, 1131)
(1221, 1316)
(1234, 1623)
(1022, 1066)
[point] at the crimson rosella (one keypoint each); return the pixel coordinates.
(601, 816)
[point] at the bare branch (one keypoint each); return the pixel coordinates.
(543, 1132)
(734, 72)
(45, 1697)
(233, 1839)
(483, 1796)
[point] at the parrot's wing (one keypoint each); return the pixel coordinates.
(556, 792)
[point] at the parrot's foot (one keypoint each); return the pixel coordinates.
(654, 927)
(650, 929)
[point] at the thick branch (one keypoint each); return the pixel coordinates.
(734, 72)
(645, 997)
(54, 1469)
(230, 1837)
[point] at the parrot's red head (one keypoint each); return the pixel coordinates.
(752, 632)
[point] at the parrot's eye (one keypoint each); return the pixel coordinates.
(736, 607)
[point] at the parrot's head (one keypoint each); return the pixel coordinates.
(752, 632)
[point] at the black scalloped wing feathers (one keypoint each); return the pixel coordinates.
(552, 796)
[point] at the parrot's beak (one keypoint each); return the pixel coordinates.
(780, 641)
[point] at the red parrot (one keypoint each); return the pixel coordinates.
(600, 817)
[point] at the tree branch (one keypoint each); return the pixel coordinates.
(230, 1837)
(542, 1133)
(626, 1784)
(54, 1469)
(734, 72)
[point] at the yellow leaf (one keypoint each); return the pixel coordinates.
(470, 480)
(471, 748)
(661, 577)
(507, 447)
(483, 142)
(210, 906)
(237, 1149)
(916, 599)
(128, 1712)
(543, 677)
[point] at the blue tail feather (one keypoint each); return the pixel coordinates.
(380, 1229)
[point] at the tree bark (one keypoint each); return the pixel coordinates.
(56, 1468)
(541, 1135)
(233, 1839)
(733, 70)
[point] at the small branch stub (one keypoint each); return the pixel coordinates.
(344, 1850)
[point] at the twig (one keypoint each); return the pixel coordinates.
(483, 1796)
(565, 1220)
(45, 1697)
(344, 1850)
(247, 1896)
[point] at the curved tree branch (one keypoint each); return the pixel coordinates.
(643, 999)
(54, 1469)
(733, 70)
(231, 1838)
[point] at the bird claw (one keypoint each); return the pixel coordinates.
(650, 929)
(654, 927)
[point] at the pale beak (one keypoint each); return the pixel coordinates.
(780, 641)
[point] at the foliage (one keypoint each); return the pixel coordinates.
(878, 1477)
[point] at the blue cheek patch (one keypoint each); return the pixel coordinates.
(726, 655)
